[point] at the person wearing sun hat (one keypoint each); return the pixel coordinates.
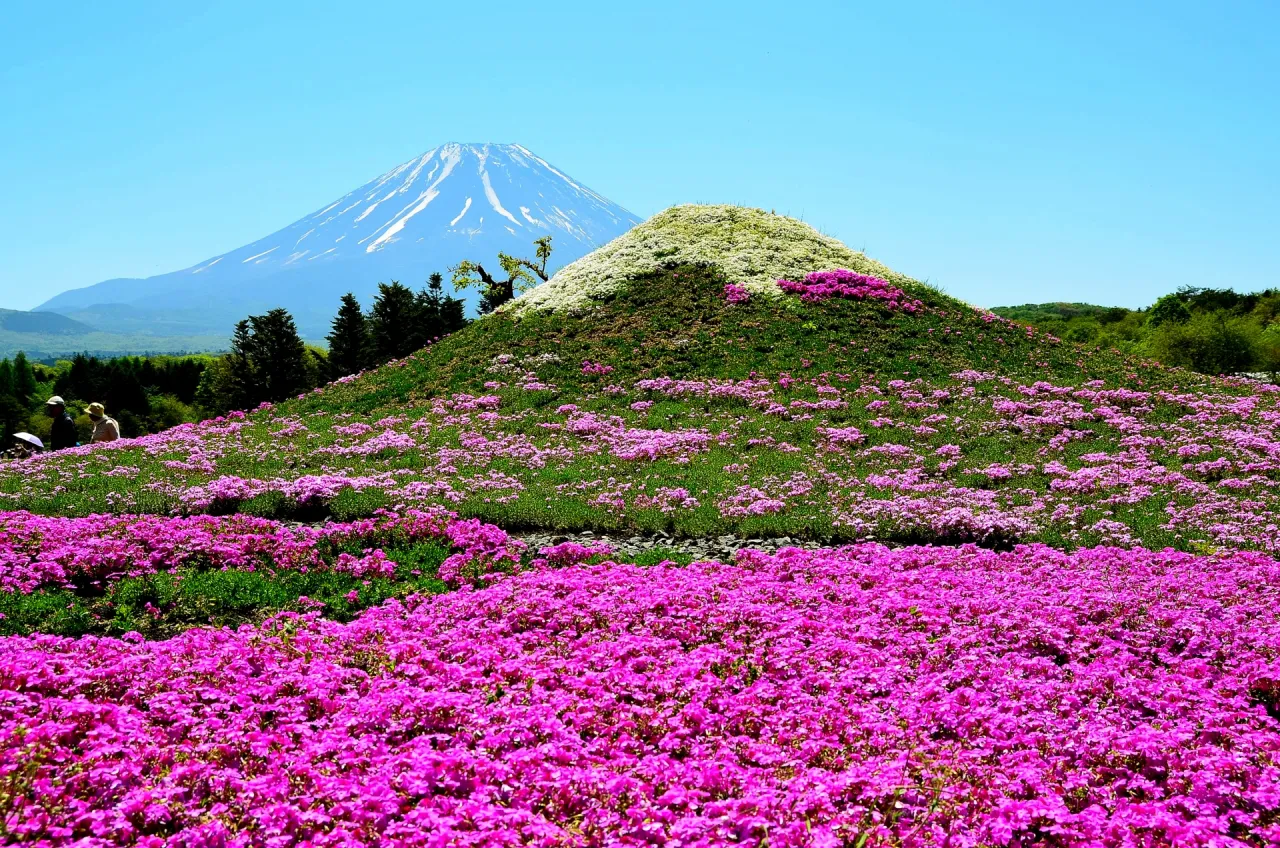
(104, 429)
(63, 433)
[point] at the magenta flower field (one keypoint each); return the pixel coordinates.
(863, 695)
(1023, 593)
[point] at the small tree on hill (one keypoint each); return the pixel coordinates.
(520, 275)
(349, 339)
(217, 391)
(1169, 309)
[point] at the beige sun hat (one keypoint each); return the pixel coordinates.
(96, 409)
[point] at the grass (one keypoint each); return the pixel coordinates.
(161, 605)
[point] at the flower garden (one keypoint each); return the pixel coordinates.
(1032, 598)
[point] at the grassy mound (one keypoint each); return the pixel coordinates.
(676, 322)
(750, 248)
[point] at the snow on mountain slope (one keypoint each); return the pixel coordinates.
(453, 202)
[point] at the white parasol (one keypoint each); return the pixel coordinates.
(29, 439)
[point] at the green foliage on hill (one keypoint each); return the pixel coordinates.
(676, 323)
(1213, 331)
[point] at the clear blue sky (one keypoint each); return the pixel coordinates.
(1011, 152)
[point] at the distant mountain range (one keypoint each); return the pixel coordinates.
(454, 202)
(48, 335)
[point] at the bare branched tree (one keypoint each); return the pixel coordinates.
(521, 275)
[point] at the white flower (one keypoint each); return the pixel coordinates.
(751, 248)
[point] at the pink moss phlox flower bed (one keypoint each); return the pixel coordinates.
(40, 551)
(864, 696)
(849, 285)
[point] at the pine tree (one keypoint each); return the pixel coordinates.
(267, 361)
(279, 355)
(24, 380)
(391, 322)
(11, 414)
(6, 378)
(242, 385)
(452, 315)
(349, 339)
(450, 312)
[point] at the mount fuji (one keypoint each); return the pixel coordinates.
(457, 201)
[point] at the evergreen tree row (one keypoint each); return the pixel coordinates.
(143, 394)
(268, 362)
(399, 323)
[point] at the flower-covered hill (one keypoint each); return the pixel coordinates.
(410, 675)
(693, 398)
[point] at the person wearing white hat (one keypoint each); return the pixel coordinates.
(63, 433)
(105, 428)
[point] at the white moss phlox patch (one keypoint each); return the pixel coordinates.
(751, 247)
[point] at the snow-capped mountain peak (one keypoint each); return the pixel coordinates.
(452, 202)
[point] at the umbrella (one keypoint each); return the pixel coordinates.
(29, 439)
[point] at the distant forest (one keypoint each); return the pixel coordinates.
(267, 362)
(1213, 331)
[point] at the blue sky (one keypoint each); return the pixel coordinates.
(1010, 152)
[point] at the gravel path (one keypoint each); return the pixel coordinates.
(701, 548)
(712, 547)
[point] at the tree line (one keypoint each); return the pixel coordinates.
(143, 394)
(1212, 331)
(267, 362)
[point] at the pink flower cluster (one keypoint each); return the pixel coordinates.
(43, 552)
(862, 696)
(849, 285)
(736, 294)
(599, 368)
(308, 489)
(570, 553)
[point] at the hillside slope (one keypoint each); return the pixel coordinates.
(676, 400)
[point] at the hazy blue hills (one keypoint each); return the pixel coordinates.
(41, 323)
(48, 335)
